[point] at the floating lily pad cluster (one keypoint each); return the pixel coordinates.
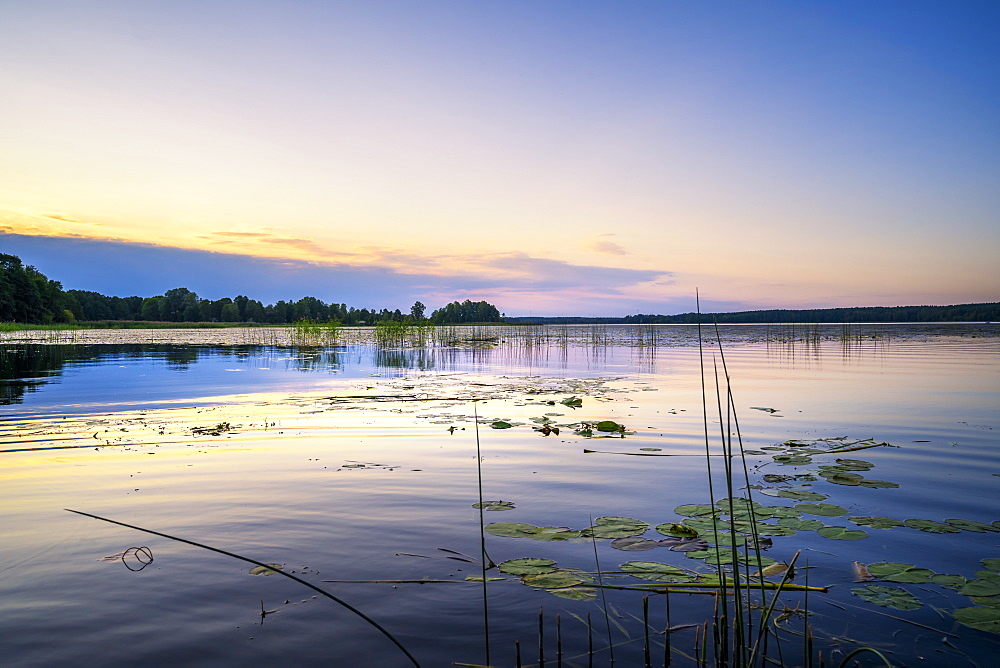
(983, 591)
(544, 574)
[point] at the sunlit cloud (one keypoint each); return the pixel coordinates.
(603, 245)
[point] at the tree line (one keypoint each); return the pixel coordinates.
(27, 296)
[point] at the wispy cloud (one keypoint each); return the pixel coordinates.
(601, 244)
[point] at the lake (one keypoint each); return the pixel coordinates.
(349, 459)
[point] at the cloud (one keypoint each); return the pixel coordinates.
(605, 246)
(65, 219)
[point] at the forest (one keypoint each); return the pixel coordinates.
(27, 296)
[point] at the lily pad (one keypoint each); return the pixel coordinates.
(553, 580)
(981, 618)
(783, 511)
(575, 593)
(800, 524)
(950, 581)
(930, 526)
(676, 529)
(684, 544)
(911, 575)
(792, 460)
(495, 505)
(988, 601)
(855, 464)
(972, 525)
(634, 543)
(876, 522)
(992, 564)
(609, 426)
(980, 588)
(615, 527)
(555, 534)
(887, 597)
(801, 495)
(884, 568)
(843, 478)
(270, 569)
(841, 533)
(695, 510)
(528, 566)
(821, 509)
(654, 570)
(512, 529)
(500, 424)
(879, 484)
(572, 402)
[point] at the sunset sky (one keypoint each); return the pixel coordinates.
(553, 157)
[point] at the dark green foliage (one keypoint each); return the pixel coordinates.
(26, 296)
(465, 312)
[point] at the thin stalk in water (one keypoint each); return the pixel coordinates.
(260, 563)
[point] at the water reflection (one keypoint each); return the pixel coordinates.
(27, 365)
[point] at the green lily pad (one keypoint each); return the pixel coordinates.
(989, 576)
(876, 522)
(676, 529)
(553, 580)
(527, 566)
(841, 533)
(992, 564)
(634, 543)
(575, 593)
(981, 618)
(772, 530)
(615, 527)
(500, 424)
(609, 426)
(654, 570)
(855, 464)
(843, 478)
(554, 534)
(821, 509)
(801, 495)
(988, 601)
(479, 578)
(783, 511)
(572, 402)
(683, 544)
(911, 576)
(884, 568)
(696, 510)
(800, 524)
(930, 526)
(887, 597)
(950, 581)
(495, 505)
(792, 460)
(980, 588)
(725, 539)
(512, 529)
(270, 569)
(972, 525)
(879, 484)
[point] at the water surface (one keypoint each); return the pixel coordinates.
(349, 460)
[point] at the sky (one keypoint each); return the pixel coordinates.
(552, 157)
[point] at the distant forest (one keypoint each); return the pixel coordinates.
(27, 296)
(987, 312)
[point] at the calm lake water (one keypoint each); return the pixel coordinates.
(356, 460)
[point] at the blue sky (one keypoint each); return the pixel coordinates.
(563, 158)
